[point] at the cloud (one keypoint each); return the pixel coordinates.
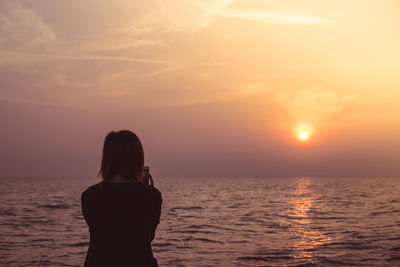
(63, 80)
(314, 103)
(178, 15)
(23, 33)
(194, 15)
(165, 70)
(50, 56)
(118, 42)
(274, 17)
(23, 28)
(114, 58)
(132, 36)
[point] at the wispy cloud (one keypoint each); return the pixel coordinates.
(132, 36)
(112, 58)
(62, 79)
(164, 70)
(118, 43)
(48, 56)
(190, 15)
(274, 17)
(23, 28)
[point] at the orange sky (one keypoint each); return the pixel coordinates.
(212, 87)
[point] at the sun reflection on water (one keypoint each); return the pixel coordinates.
(307, 239)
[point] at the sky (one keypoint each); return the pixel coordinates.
(211, 87)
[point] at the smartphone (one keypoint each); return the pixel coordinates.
(146, 175)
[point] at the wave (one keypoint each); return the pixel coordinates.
(55, 206)
(265, 258)
(79, 244)
(187, 208)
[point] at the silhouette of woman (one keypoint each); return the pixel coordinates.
(122, 212)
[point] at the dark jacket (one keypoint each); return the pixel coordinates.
(122, 220)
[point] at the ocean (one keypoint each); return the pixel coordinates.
(217, 222)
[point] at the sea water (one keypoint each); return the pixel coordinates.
(299, 221)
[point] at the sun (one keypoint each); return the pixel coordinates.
(304, 136)
(304, 132)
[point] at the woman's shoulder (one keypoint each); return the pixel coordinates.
(145, 188)
(90, 190)
(155, 192)
(150, 191)
(136, 186)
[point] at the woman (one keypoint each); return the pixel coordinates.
(122, 212)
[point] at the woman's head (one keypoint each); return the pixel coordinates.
(122, 155)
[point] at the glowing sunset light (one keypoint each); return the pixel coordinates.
(303, 132)
(304, 136)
